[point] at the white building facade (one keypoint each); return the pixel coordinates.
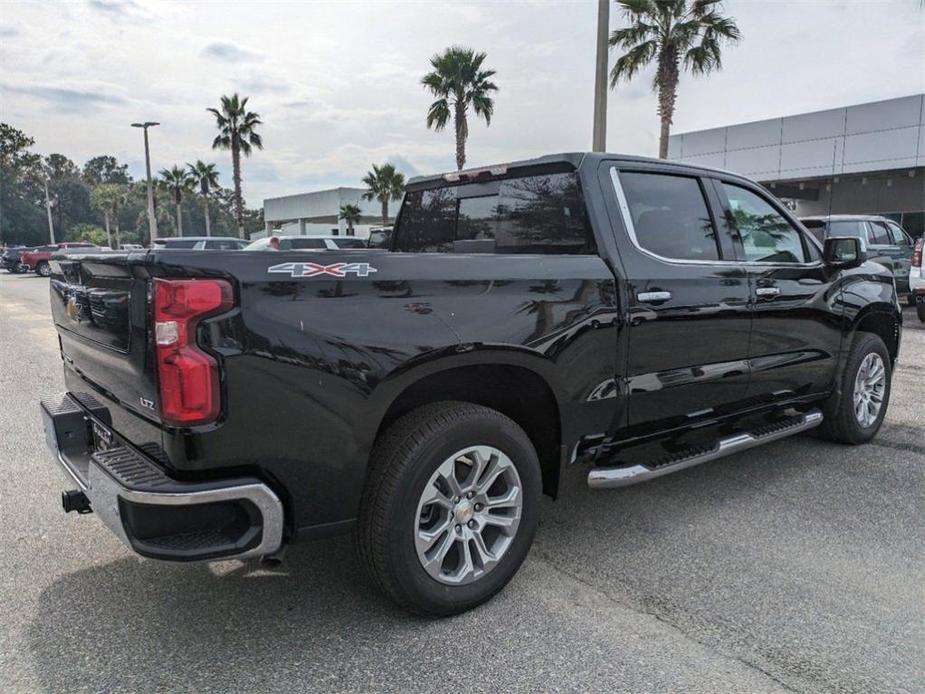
(862, 159)
(318, 213)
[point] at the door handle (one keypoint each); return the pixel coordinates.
(767, 291)
(653, 297)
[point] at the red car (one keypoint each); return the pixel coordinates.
(37, 260)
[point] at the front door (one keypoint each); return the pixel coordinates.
(687, 298)
(796, 335)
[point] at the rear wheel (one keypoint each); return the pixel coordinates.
(43, 269)
(856, 416)
(450, 507)
(920, 309)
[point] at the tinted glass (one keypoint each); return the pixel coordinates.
(532, 214)
(816, 227)
(879, 234)
(349, 243)
(848, 228)
(670, 216)
(766, 235)
(428, 221)
(301, 244)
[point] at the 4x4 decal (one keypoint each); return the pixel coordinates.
(317, 270)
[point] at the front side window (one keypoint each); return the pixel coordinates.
(766, 235)
(670, 216)
(541, 214)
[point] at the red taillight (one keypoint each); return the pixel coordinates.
(187, 377)
(917, 253)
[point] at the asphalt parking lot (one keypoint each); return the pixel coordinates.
(793, 567)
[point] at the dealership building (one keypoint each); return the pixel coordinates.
(318, 213)
(862, 159)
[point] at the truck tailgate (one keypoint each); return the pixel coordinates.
(100, 309)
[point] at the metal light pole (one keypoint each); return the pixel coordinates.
(599, 138)
(152, 221)
(51, 224)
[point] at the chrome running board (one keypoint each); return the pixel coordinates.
(624, 476)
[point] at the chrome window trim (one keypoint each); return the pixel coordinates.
(631, 228)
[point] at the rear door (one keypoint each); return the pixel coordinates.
(895, 250)
(688, 298)
(795, 338)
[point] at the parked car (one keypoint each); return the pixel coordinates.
(305, 243)
(917, 278)
(10, 259)
(36, 260)
(887, 242)
(621, 319)
(131, 247)
(199, 243)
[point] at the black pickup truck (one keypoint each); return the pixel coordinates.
(616, 317)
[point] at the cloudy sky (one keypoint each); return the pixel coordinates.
(337, 83)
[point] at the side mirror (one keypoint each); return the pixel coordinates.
(844, 251)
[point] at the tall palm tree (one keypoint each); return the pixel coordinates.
(384, 184)
(459, 81)
(237, 131)
(205, 176)
(673, 34)
(177, 181)
(350, 214)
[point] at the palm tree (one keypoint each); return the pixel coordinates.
(237, 131)
(673, 34)
(176, 180)
(384, 184)
(206, 177)
(108, 198)
(459, 81)
(350, 214)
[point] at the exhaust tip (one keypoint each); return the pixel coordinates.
(75, 500)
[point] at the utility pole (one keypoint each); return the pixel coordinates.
(152, 221)
(599, 139)
(51, 224)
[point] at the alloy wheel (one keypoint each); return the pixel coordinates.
(869, 389)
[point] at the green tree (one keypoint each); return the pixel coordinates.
(384, 184)
(87, 232)
(105, 169)
(672, 34)
(108, 198)
(205, 177)
(177, 181)
(458, 81)
(237, 131)
(350, 214)
(22, 215)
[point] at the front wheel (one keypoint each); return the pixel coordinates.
(856, 416)
(450, 507)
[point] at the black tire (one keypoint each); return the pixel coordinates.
(402, 462)
(43, 269)
(920, 309)
(910, 299)
(840, 423)
(21, 268)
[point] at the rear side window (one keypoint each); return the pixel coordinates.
(848, 228)
(879, 234)
(542, 214)
(670, 216)
(766, 235)
(898, 235)
(301, 244)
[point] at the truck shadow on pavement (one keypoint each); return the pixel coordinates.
(134, 624)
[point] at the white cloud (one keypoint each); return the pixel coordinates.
(338, 83)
